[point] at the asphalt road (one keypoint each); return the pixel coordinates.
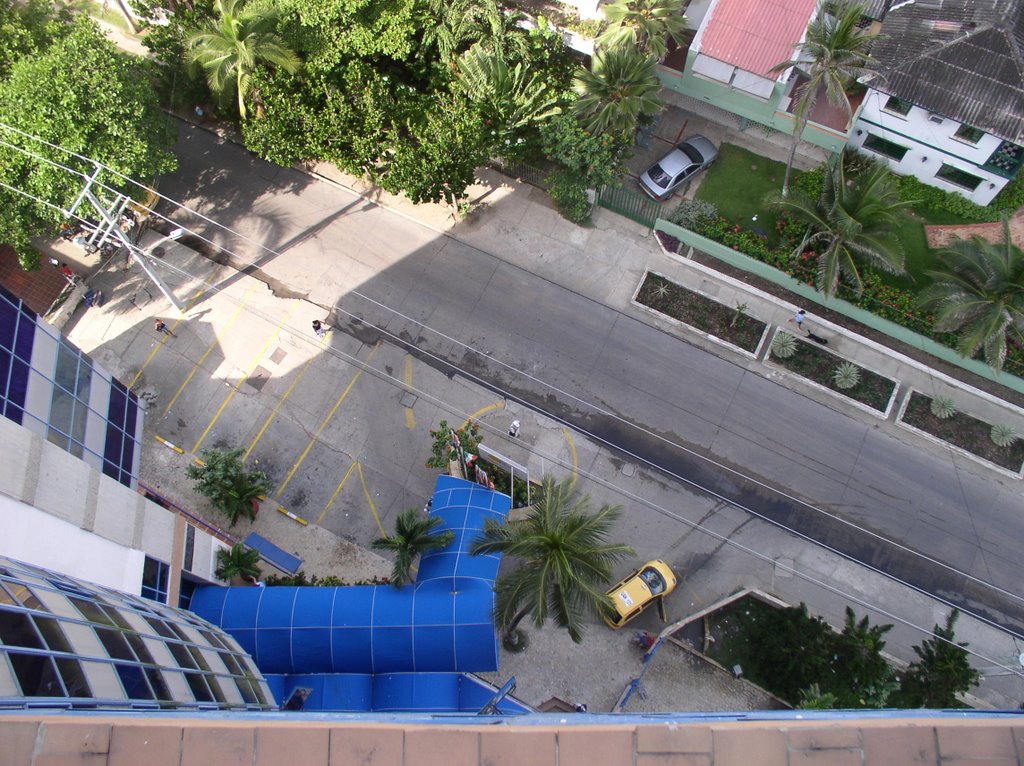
(704, 420)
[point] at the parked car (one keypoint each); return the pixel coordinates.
(666, 175)
(631, 595)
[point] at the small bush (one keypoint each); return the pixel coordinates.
(943, 407)
(783, 345)
(691, 213)
(1003, 435)
(847, 375)
(569, 196)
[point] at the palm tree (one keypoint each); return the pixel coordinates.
(620, 88)
(238, 561)
(647, 24)
(223, 478)
(565, 563)
(853, 220)
(508, 99)
(230, 49)
(414, 536)
(833, 55)
(980, 294)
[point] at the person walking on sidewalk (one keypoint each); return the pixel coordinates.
(798, 319)
(161, 327)
(319, 329)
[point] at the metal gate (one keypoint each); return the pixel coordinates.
(634, 206)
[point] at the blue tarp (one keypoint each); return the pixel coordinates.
(273, 555)
(441, 624)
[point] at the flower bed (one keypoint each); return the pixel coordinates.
(814, 363)
(726, 323)
(963, 431)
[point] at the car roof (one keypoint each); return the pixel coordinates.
(675, 161)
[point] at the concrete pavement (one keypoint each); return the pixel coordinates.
(603, 264)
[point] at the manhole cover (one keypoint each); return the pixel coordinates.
(258, 378)
(278, 356)
(409, 400)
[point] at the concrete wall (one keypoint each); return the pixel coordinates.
(930, 144)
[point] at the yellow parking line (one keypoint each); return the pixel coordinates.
(575, 457)
(163, 339)
(483, 411)
(213, 344)
(252, 366)
(410, 416)
(373, 508)
(326, 420)
(273, 413)
(338, 489)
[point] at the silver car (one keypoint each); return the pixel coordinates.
(666, 175)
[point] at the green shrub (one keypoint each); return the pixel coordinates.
(943, 407)
(1003, 435)
(783, 345)
(569, 195)
(846, 375)
(691, 213)
(933, 198)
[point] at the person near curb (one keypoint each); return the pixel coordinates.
(798, 319)
(161, 327)
(319, 329)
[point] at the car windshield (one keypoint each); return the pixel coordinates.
(692, 153)
(659, 176)
(654, 581)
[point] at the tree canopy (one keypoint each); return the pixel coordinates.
(97, 102)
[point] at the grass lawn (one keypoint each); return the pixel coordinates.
(737, 185)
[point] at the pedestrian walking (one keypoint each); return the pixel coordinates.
(798, 319)
(513, 429)
(161, 327)
(319, 329)
(69, 275)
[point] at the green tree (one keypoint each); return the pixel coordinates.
(508, 99)
(646, 24)
(443, 451)
(232, 47)
(979, 293)
(224, 479)
(27, 29)
(238, 561)
(941, 672)
(813, 698)
(415, 534)
(451, 27)
(564, 561)
(619, 89)
(833, 55)
(860, 676)
(854, 220)
(98, 103)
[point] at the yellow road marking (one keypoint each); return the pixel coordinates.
(273, 413)
(483, 411)
(366, 491)
(326, 420)
(410, 416)
(252, 366)
(575, 457)
(338, 489)
(213, 344)
(163, 339)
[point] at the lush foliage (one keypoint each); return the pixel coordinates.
(853, 221)
(620, 89)
(569, 194)
(415, 534)
(449, 441)
(300, 578)
(229, 50)
(833, 55)
(979, 293)
(238, 561)
(644, 24)
(942, 671)
(595, 160)
(564, 561)
(27, 29)
(96, 102)
(224, 479)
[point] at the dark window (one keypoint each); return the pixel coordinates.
(74, 678)
(156, 680)
(958, 177)
(968, 134)
(134, 681)
(16, 630)
(91, 611)
(154, 580)
(190, 546)
(36, 675)
(199, 688)
(160, 627)
(53, 634)
(115, 644)
(898, 106)
(885, 147)
(246, 691)
(181, 655)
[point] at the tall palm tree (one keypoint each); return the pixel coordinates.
(833, 55)
(565, 563)
(238, 561)
(231, 48)
(414, 535)
(620, 87)
(647, 24)
(853, 220)
(979, 293)
(508, 98)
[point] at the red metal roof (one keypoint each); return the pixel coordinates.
(755, 35)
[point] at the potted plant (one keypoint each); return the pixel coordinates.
(231, 487)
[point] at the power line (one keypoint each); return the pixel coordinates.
(608, 485)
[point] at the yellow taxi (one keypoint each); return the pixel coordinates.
(631, 595)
